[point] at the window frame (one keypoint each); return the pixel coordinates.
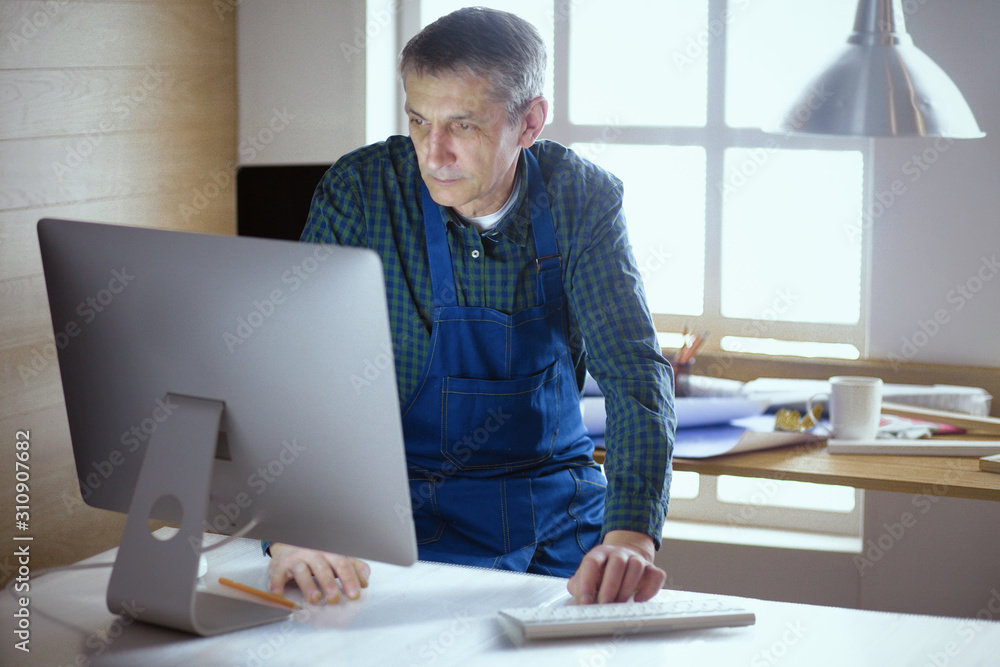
(715, 137)
(759, 513)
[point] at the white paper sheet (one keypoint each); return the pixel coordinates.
(691, 412)
(740, 435)
(793, 393)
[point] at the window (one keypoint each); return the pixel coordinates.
(757, 238)
(754, 237)
(745, 502)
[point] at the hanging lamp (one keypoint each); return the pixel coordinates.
(881, 85)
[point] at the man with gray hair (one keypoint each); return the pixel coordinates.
(509, 275)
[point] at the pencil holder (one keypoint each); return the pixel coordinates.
(682, 378)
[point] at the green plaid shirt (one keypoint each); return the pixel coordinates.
(371, 198)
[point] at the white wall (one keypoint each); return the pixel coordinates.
(925, 553)
(301, 79)
(942, 233)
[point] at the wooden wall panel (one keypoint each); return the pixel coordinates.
(60, 35)
(121, 112)
(25, 317)
(29, 378)
(202, 207)
(61, 170)
(96, 101)
(63, 527)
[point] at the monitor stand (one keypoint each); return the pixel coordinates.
(159, 577)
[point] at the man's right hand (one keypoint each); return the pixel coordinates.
(308, 567)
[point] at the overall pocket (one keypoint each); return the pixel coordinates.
(427, 521)
(500, 425)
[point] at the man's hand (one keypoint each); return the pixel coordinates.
(303, 565)
(618, 569)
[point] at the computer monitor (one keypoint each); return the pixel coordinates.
(227, 384)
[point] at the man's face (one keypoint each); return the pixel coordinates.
(466, 149)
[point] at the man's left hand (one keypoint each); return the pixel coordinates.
(617, 570)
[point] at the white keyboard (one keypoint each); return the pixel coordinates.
(621, 619)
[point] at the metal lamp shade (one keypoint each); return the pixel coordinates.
(881, 85)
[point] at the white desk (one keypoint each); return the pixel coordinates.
(434, 614)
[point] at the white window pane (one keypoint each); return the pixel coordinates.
(670, 339)
(790, 251)
(782, 493)
(788, 348)
(774, 48)
(539, 14)
(629, 62)
(684, 485)
(665, 210)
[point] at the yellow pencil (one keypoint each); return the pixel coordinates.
(261, 594)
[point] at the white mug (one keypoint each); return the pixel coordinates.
(855, 406)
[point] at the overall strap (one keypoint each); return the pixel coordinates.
(549, 261)
(438, 252)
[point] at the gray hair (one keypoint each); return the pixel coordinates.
(497, 46)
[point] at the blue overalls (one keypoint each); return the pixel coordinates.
(501, 469)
